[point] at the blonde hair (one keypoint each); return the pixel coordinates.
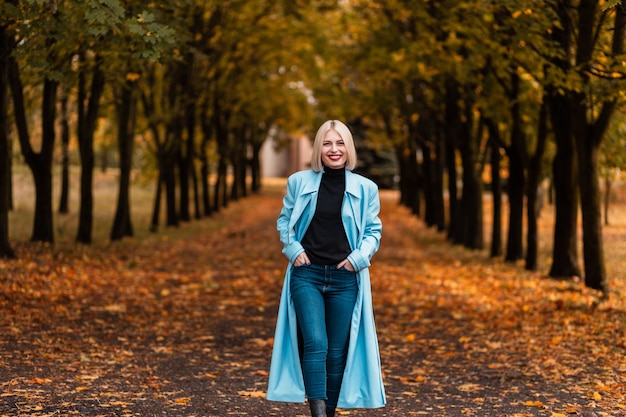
(343, 131)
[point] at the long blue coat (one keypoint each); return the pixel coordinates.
(362, 385)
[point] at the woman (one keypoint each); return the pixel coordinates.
(325, 345)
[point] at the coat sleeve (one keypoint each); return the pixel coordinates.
(286, 230)
(372, 230)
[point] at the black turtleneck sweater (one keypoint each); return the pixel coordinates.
(325, 240)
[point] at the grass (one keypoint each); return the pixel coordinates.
(105, 193)
(66, 225)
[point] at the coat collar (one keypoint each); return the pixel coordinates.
(313, 186)
(352, 185)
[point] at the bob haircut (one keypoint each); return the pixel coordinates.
(346, 135)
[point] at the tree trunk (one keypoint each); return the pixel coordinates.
(168, 168)
(186, 154)
(515, 191)
(426, 137)
(407, 163)
(220, 194)
(438, 198)
(40, 163)
(65, 159)
(607, 198)
(471, 202)
(172, 150)
(149, 103)
(238, 164)
(255, 166)
(472, 206)
(184, 173)
(204, 161)
(587, 135)
(6, 251)
(87, 121)
(591, 208)
(534, 179)
(564, 173)
(517, 181)
(427, 170)
(126, 117)
(43, 229)
(496, 189)
(156, 207)
(190, 123)
(452, 123)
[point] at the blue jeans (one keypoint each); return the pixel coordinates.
(324, 299)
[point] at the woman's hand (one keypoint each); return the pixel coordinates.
(302, 259)
(345, 263)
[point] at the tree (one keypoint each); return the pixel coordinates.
(161, 107)
(535, 166)
(64, 196)
(613, 158)
(126, 112)
(88, 106)
(496, 187)
(591, 114)
(44, 47)
(149, 39)
(6, 251)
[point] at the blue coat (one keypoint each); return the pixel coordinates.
(362, 385)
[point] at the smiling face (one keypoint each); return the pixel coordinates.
(333, 147)
(334, 152)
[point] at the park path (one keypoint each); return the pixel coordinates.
(181, 324)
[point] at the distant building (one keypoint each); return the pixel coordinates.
(282, 159)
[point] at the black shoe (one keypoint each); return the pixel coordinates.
(318, 408)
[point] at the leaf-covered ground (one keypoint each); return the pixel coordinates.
(181, 324)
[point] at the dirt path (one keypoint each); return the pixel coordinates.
(183, 326)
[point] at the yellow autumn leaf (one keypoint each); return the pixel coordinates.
(182, 400)
(40, 381)
(82, 388)
(253, 394)
(469, 387)
(410, 337)
(538, 404)
(494, 365)
(493, 345)
(132, 76)
(556, 340)
(597, 396)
